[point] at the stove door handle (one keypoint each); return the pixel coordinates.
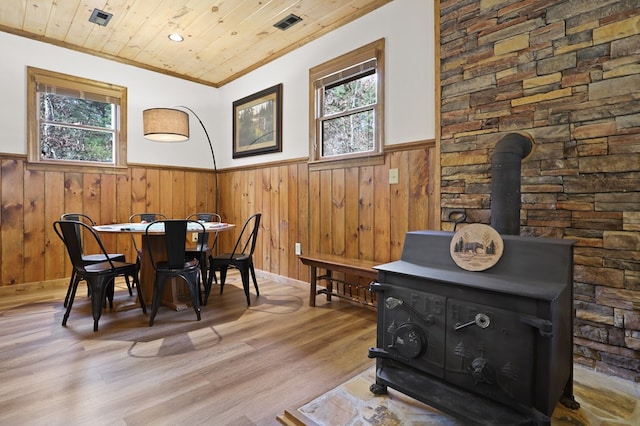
(377, 287)
(544, 326)
(466, 324)
(481, 320)
(381, 353)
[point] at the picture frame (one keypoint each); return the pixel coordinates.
(257, 123)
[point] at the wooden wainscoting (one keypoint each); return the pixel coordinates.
(352, 211)
(30, 251)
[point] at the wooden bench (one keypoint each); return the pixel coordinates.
(331, 263)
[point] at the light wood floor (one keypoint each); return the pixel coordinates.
(238, 366)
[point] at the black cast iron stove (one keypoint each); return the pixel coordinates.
(491, 347)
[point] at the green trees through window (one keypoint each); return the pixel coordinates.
(348, 124)
(347, 107)
(76, 129)
(75, 122)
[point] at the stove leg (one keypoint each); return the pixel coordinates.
(539, 419)
(378, 389)
(569, 401)
(567, 398)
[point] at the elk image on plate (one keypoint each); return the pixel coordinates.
(476, 247)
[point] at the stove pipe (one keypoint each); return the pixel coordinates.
(505, 182)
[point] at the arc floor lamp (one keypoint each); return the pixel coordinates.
(172, 125)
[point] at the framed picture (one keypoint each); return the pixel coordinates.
(257, 123)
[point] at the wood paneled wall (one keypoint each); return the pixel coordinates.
(32, 200)
(353, 212)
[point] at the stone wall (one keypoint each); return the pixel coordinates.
(568, 74)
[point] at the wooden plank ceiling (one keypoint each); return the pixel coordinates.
(223, 39)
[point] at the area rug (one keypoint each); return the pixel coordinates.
(352, 404)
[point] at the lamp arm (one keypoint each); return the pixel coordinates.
(215, 167)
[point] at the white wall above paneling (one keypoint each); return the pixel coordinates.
(406, 25)
(408, 29)
(144, 90)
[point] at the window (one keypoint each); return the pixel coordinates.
(75, 122)
(348, 100)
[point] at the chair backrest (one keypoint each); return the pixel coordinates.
(246, 243)
(69, 232)
(175, 233)
(205, 217)
(143, 218)
(146, 217)
(203, 239)
(79, 217)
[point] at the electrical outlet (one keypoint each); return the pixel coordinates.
(194, 237)
(393, 176)
(298, 249)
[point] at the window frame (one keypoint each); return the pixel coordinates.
(111, 92)
(318, 74)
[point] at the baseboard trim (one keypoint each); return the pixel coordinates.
(12, 290)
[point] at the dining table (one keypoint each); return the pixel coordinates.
(176, 295)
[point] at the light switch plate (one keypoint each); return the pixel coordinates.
(298, 249)
(393, 176)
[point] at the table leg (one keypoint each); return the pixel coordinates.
(170, 297)
(127, 306)
(329, 285)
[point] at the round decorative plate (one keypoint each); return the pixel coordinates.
(476, 247)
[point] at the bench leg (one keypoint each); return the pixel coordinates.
(312, 282)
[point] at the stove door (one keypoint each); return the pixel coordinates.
(411, 328)
(490, 351)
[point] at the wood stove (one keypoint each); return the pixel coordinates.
(491, 347)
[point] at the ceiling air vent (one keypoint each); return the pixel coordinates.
(100, 17)
(287, 22)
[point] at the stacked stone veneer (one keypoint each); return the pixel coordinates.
(567, 73)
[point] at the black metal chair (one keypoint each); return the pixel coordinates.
(90, 258)
(203, 250)
(176, 264)
(99, 276)
(143, 218)
(146, 217)
(240, 258)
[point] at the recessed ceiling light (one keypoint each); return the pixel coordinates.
(175, 37)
